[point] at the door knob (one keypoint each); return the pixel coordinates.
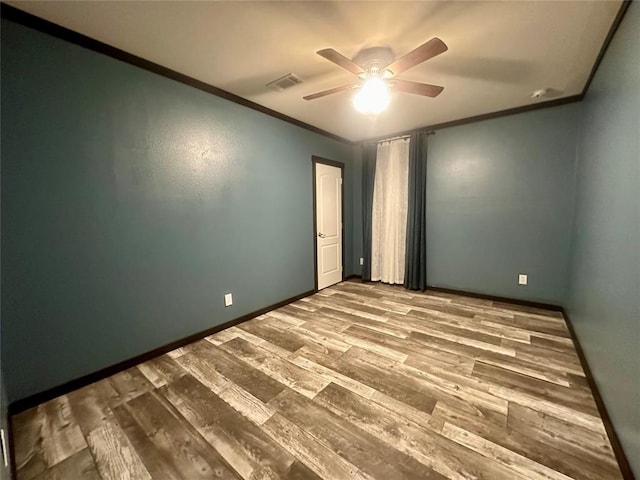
(321, 235)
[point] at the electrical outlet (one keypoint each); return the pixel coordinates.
(522, 279)
(361, 261)
(228, 299)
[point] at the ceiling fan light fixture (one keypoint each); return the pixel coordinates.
(372, 97)
(373, 92)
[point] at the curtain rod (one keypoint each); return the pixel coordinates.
(400, 137)
(390, 139)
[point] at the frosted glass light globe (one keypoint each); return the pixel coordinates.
(373, 96)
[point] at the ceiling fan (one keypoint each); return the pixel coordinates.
(376, 70)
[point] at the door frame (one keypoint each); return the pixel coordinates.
(332, 163)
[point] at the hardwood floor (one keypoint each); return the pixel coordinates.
(360, 381)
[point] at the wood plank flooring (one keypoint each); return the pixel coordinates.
(360, 381)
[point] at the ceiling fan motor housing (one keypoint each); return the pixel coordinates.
(373, 59)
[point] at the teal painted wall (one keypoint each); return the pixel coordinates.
(131, 203)
(604, 281)
(5, 472)
(499, 203)
(357, 211)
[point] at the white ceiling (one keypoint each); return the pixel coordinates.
(499, 52)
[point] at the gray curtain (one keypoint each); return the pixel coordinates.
(415, 272)
(368, 181)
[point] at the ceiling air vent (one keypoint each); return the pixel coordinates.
(282, 83)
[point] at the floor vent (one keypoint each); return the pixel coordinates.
(282, 83)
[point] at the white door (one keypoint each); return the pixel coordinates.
(328, 224)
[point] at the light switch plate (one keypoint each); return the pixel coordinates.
(361, 261)
(228, 299)
(522, 279)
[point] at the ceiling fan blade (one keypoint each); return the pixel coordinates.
(424, 52)
(417, 88)
(331, 91)
(340, 60)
